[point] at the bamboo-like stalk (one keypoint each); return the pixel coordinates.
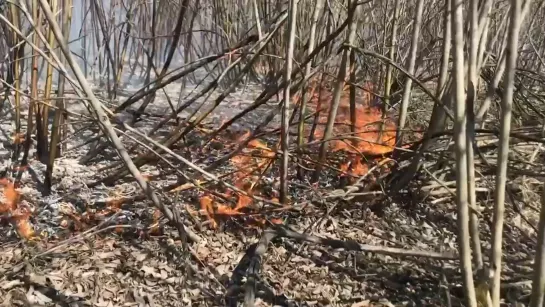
(321, 83)
(388, 79)
(481, 60)
(339, 86)
(482, 57)
(538, 282)
(382, 41)
(60, 117)
(438, 117)
(42, 117)
(500, 68)
(63, 122)
(84, 44)
(123, 52)
(472, 90)
(505, 129)
(391, 55)
(153, 43)
(134, 53)
(444, 69)
(290, 37)
(188, 55)
(32, 108)
(410, 69)
(352, 87)
(461, 143)
(318, 108)
(537, 298)
(103, 27)
(257, 19)
(16, 70)
(170, 56)
(318, 8)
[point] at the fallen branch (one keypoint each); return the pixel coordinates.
(281, 231)
(190, 164)
(255, 266)
(351, 245)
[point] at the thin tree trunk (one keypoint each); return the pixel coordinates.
(290, 37)
(472, 90)
(411, 69)
(390, 69)
(311, 42)
(501, 171)
(339, 86)
(438, 116)
(538, 282)
(461, 144)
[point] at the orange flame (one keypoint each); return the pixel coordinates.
(208, 209)
(372, 136)
(355, 167)
(367, 126)
(18, 138)
(19, 215)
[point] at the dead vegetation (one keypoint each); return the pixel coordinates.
(269, 153)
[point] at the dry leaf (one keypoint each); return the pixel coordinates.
(243, 202)
(365, 303)
(257, 143)
(183, 187)
(147, 177)
(116, 203)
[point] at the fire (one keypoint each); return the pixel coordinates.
(214, 209)
(254, 159)
(373, 136)
(367, 138)
(354, 166)
(251, 164)
(208, 209)
(18, 138)
(19, 215)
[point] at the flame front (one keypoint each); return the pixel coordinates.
(373, 135)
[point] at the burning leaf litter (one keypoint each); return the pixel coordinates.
(133, 262)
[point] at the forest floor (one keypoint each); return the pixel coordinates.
(105, 245)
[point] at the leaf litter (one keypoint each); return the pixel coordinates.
(105, 246)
